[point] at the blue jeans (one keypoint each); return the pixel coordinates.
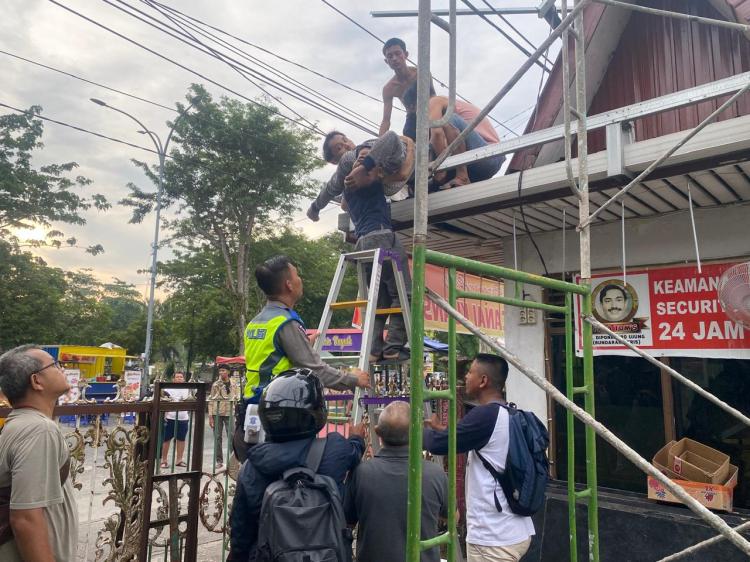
(482, 169)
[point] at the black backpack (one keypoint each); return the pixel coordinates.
(302, 516)
(526, 473)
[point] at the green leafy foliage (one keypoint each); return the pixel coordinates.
(43, 304)
(237, 170)
(199, 311)
(29, 196)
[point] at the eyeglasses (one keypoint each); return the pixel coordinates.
(53, 364)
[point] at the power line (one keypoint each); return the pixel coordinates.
(111, 89)
(276, 55)
(207, 51)
(108, 88)
(243, 54)
(505, 34)
(216, 55)
(182, 66)
(196, 44)
(521, 35)
(371, 34)
(267, 66)
(81, 129)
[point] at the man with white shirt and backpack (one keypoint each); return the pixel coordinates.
(507, 461)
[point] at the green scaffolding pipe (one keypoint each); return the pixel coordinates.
(511, 301)
(439, 394)
(570, 424)
(452, 411)
(479, 268)
(445, 538)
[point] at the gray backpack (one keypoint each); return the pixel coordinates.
(302, 516)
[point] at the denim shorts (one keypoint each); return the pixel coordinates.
(479, 170)
(169, 429)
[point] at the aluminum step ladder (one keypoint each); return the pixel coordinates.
(367, 299)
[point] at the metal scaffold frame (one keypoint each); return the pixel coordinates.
(571, 25)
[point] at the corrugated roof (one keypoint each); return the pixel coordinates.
(741, 9)
(653, 56)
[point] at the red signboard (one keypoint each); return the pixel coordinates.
(488, 316)
(668, 311)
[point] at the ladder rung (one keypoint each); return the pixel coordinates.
(360, 255)
(580, 389)
(342, 358)
(585, 493)
(347, 304)
(386, 311)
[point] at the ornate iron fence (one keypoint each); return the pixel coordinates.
(130, 506)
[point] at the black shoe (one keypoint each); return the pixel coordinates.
(400, 357)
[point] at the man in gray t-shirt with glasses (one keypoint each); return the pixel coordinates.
(38, 514)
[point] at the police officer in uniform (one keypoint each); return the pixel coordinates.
(276, 341)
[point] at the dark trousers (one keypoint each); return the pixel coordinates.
(388, 293)
(410, 126)
(221, 423)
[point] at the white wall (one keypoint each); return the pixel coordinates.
(526, 341)
(667, 239)
(723, 233)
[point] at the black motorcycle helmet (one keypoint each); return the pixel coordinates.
(293, 406)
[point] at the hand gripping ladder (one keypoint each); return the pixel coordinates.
(368, 298)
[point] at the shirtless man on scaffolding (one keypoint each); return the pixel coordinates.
(404, 76)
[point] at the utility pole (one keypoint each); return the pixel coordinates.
(161, 150)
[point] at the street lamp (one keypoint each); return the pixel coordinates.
(161, 150)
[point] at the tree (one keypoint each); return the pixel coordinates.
(198, 308)
(31, 296)
(238, 167)
(42, 304)
(30, 197)
(316, 261)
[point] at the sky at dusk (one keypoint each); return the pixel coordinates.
(306, 32)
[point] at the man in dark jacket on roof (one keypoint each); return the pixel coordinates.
(292, 411)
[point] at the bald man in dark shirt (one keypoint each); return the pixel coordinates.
(376, 494)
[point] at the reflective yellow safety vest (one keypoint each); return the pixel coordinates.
(264, 358)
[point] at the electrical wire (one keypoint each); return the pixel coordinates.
(184, 22)
(443, 84)
(526, 226)
(146, 100)
(81, 129)
(205, 50)
(182, 66)
(217, 55)
(71, 75)
(520, 174)
(502, 32)
(233, 63)
(276, 55)
(521, 35)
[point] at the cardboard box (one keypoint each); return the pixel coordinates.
(661, 461)
(713, 496)
(696, 462)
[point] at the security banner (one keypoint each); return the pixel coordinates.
(667, 311)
